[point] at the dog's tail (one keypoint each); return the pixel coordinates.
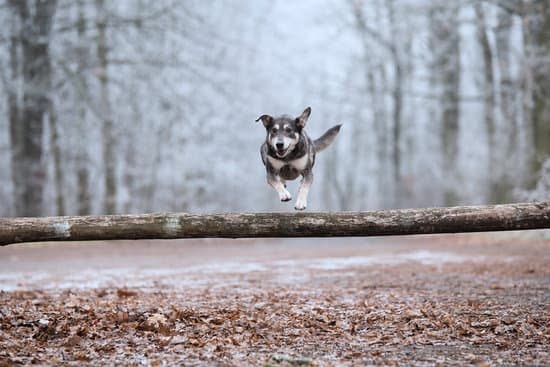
(327, 138)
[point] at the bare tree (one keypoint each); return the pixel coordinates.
(389, 131)
(445, 79)
(376, 81)
(109, 158)
(397, 98)
(15, 129)
(35, 20)
(82, 159)
(536, 39)
(489, 99)
(55, 146)
(509, 155)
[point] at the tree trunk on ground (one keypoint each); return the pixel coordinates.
(337, 224)
(35, 19)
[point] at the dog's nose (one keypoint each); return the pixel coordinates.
(279, 146)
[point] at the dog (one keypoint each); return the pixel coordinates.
(288, 153)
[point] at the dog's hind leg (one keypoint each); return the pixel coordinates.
(279, 186)
(305, 184)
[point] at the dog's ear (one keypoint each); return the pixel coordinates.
(266, 119)
(302, 119)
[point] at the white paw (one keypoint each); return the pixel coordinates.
(300, 204)
(285, 195)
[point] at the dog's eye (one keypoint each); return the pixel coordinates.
(288, 130)
(274, 130)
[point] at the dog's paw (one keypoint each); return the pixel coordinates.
(285, 196)
(300, 205)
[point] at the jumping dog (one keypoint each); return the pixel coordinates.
(288, 153)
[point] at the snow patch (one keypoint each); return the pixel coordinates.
(172, 224)
(422, 256)
(62, 229)
(284, 271)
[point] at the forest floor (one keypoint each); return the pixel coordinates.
(472, 299)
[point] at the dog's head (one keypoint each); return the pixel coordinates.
(283, 133)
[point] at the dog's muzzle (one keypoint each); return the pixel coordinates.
(280, 149)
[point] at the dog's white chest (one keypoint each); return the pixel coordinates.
(299, 164)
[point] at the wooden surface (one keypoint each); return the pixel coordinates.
(239, 225)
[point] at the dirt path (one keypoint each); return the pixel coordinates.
(479, 299)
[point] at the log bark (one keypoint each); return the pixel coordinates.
(235, 225)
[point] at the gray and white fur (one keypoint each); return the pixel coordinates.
(288, 153)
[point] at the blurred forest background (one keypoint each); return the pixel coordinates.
(138, 106)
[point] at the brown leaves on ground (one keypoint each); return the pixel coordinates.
(125, 292)
(386, 315)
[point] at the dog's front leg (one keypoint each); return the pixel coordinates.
(279, 186)
(301, 201)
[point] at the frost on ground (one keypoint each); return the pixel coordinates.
(425, 300)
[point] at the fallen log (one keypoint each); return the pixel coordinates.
(504, 217)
